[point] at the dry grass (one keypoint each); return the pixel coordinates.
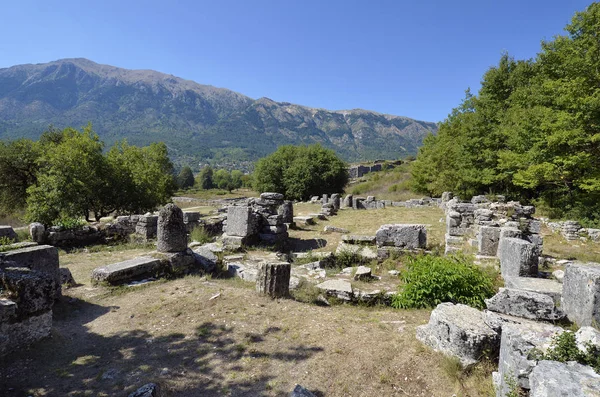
(557, 246)
(364, 222)
(109, 342)
(386, 185)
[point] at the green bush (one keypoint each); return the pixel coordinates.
(430, 280)
(67, 223)
(564, 348)
(200, 235)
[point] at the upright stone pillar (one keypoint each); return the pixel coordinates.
(273, 279)
(171, 232)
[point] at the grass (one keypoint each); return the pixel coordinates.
(391, 184)
(557, 246)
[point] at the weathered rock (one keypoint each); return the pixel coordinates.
(581, 293)
(340, 289)
(271, 196)
(363, 273)
(273, 279)
(15, 335)
(517, 257)
(8, 310)
(148, 390)
(66, 278)
(525, 304)
(555, 379)
(245, 271)
(171, 231)
(335, 201)
(459, 331)
(335, 229)
(300, 391)
(147, 226)
(517, 341)
(402, 235)
(587, 335)
(37, 231)
(487, 240)
(177, 263)
(31, 290)
(8, 232)
(510, 232)
(558, 275)
(347, 202)
(206, 258)
(304, 220)
(130, 270)
(42, 258)
(239, 221)
(358, 239)
(286, 210)
(539, 285)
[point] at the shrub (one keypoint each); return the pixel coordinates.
(68, 223)
(200, 235)
(348, 259)
(564, 348)
(430, 280)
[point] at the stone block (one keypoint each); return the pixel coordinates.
(239, 221)
(514, 364)
(340, 289)
(525, 304)
(8, 232)
(347, 201)
(177, 263)
(581, 293)
(31, 290)
(126, 271)
(171, 231)
(271, 196)
(8, 310)
(556, 379)
(16, 335)
(587, 336)
(544, 286)
(191, 217)
(206, 258)
(510, 232)
(517, 257)
(37, 231)
(232, 242)
(459, 331)
(402, 235)
(273, 279)
(286, 211)
(487, 240)
(304, 220)
(335, 229)
(358, 239)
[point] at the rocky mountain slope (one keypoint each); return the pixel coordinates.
(196, 121)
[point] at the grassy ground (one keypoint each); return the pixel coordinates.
(392, 184)
(107, 342)
(557, 246)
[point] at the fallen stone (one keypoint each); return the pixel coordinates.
(402, 235)
(587, 336)
(66, 278)
(206, 258)
(358, 239)
(487, 240)
(304, 220)
(148, 390)
(459, 331)
(581, 293)
(525, 304)
(42, 258)
(8, 232)
(123, 272)
(559, 275)
(544, 286)
(515, 364)
(517, 257)
(334, 229)
(556, 379)
(177, 263)
(363, 273)
(15, 335)
(340, 289)
(245, 271)
(232, 242)
(31, 290)
(37, 231)
(300, 391)
(8, 310)
(271, 196)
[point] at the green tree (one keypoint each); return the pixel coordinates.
(300, 172)
(185, 179)
(206, 178)
(237, 179)
(18, 171)
(222, 179)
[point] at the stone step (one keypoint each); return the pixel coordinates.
(130, 270)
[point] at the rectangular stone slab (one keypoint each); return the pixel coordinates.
(545, 286)
(123, 272)
(581, 293)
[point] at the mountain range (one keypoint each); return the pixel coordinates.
(197, 122)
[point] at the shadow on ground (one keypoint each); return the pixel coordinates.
(76, 362)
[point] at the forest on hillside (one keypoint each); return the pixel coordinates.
(532, 131)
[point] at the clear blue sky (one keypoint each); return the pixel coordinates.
(404, 57)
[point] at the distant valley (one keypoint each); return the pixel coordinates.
(199, 123)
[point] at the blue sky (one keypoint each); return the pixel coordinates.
(410, 58)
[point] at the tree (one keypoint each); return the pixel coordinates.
(301, 171)
(222, 179)
(185, 179)
(237, 179)
(206, 178)
(18, 171)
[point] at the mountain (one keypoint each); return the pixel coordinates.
(197, 122)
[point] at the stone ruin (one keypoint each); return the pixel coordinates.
(523, 314)
(368, 203)
(359, 171)
(258, 220)
(572, 230)
(30, 282)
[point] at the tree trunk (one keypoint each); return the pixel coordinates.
(274, 279)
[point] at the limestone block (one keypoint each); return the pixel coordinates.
(239, 221)
(517, 257)
(273, 279)
(487, 240)
(587, 335)
(126, 271)
(206, 258)
(556, 379)
(31, 290)
(459, 331)
(581, 293)
(271, 196)
(171, 232)
(304, 220)
(340, 289)
(37, 231)
(15, 335)
(402, 235)
(525, 304)
(335, 229)
(539, 285)
(358, 239)
(347, 202)
(8, 231)
(286, 211)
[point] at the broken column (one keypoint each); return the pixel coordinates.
(171, 231)
(273, 279)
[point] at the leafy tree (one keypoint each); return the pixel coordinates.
(222, 179)
(18, 171)
(206, 178)
(301, 171)
(185, 179)
(237, 179)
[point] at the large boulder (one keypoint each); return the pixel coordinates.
(517, 257)
(459, 331)
(402, 235)
(581, 293)
(555, 379)
(525, 304)
(171, 231)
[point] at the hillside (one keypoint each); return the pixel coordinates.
(196, 121)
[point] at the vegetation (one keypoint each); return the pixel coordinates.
(430, 280)
(564, 348)
(532, 132)
(185, 178)
(200, 235)
(205, 179)
(65, 176)
(300, 172)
